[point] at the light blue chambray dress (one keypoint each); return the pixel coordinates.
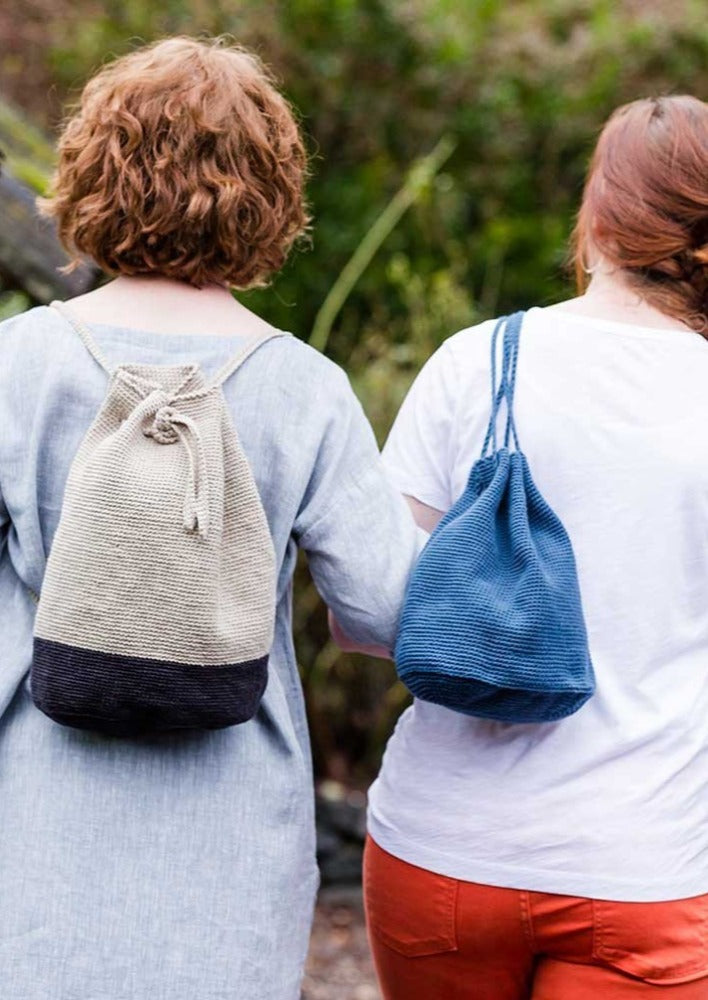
(181, 868)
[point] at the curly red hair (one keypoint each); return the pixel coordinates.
(645, 204)
(182, 160)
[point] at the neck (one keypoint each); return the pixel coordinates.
(611, 287)
(149, 285)
(162, 305)
(611, 296)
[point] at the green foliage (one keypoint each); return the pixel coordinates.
(12, 303)
(522, 86)
(29, 157)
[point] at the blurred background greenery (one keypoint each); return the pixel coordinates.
(518, 87)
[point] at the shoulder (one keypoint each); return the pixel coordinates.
(294, 399)
(291, 368)
(305, 360)
(469, 346)
(35, 324)
(33, 339)
(43, 365)
(458, 363)
(462, 362)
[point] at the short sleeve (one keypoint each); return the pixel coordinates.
(358, 532)
(419, 450)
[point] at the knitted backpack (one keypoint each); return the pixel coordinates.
(157, 607)
(492, 623)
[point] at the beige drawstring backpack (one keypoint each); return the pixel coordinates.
(158, 602)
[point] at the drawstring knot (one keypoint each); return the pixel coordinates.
(163, 429)
(169, 426)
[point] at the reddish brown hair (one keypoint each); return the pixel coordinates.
(645, 205)
(182, 160)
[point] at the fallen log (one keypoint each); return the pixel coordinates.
(30, 253)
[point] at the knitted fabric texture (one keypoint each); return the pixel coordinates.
(492, 623)
(157, 607)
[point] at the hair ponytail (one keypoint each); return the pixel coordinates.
(645, 205)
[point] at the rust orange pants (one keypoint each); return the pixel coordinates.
(436, 938)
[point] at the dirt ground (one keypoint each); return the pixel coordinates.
(339, 966)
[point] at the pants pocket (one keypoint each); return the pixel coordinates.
(660, 943)
(409, 909)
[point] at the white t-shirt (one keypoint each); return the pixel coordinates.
(611, 802)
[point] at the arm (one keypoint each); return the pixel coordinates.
(416, 458)
(359, 535)
(426, 518)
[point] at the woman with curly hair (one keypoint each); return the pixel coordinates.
(180, 867)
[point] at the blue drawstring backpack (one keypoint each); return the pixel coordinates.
(492, 624)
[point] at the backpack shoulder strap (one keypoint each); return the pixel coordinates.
(84, 333)
(512, 332)
(503, 386)
(244, 354)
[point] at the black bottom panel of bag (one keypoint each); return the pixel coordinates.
(132, 696)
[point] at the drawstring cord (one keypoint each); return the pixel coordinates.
(169, 426)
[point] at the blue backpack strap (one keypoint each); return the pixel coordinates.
(512, 334)
(497, 393)
(503, 389)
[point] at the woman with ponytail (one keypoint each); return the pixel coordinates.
(568, 860)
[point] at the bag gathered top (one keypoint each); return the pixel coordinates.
(157, 607)
(492, 623)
